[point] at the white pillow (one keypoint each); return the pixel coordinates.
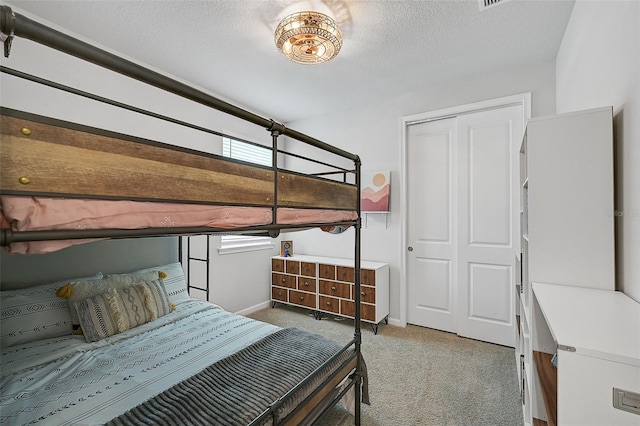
(34, 313)
(174, 283)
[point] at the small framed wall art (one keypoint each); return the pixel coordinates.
(286, 248)
(375, 191)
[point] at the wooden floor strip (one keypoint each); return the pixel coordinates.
(548, 376)
(538, 422)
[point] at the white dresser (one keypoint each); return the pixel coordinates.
(326, 285)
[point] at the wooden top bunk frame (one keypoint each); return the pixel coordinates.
(270, 187)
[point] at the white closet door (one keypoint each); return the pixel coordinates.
(463, 210)
(488, 222)
(431, 270)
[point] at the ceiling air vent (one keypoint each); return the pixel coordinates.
(488, 4)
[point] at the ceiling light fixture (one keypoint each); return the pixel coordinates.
(308, 37)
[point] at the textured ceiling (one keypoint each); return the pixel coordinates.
(390, 47)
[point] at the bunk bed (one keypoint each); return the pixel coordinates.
(50, 165)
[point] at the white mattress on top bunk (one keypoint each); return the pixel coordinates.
(53, 381)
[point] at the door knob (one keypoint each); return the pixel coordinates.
(410, 248)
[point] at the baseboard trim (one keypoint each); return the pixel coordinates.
(397, 323)
(254, 308)
(392, 321)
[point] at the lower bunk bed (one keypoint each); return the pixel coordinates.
(181, 361)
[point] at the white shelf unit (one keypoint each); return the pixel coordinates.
(597, 333)
(567, 229)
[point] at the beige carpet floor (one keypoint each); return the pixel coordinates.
(419, 376)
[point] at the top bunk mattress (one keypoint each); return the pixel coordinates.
(24, 213)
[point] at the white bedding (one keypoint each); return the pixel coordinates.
(67, 381)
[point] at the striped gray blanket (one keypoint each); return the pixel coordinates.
(236, 389)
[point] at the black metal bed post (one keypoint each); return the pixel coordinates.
(188, 268)
(276, 130)
(358, 313)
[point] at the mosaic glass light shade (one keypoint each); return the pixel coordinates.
(308, 37)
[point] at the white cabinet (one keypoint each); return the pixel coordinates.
(568, 199)
(326, 285)
(597, 335)
(567, 229)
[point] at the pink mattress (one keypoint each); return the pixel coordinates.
(24, 213)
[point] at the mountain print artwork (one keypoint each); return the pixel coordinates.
(375, 191)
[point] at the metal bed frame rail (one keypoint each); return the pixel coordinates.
(16, 25)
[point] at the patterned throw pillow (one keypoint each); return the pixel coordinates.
(96, 318)
(118, 310)
(34, 313)
(156, 299)
(83, 289)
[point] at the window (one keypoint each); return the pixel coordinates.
(253, 154)
(246, 152)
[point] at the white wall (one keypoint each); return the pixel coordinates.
(373, 132)
(598, 64)
(233, 274)
(108, 257)
(239, 282)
